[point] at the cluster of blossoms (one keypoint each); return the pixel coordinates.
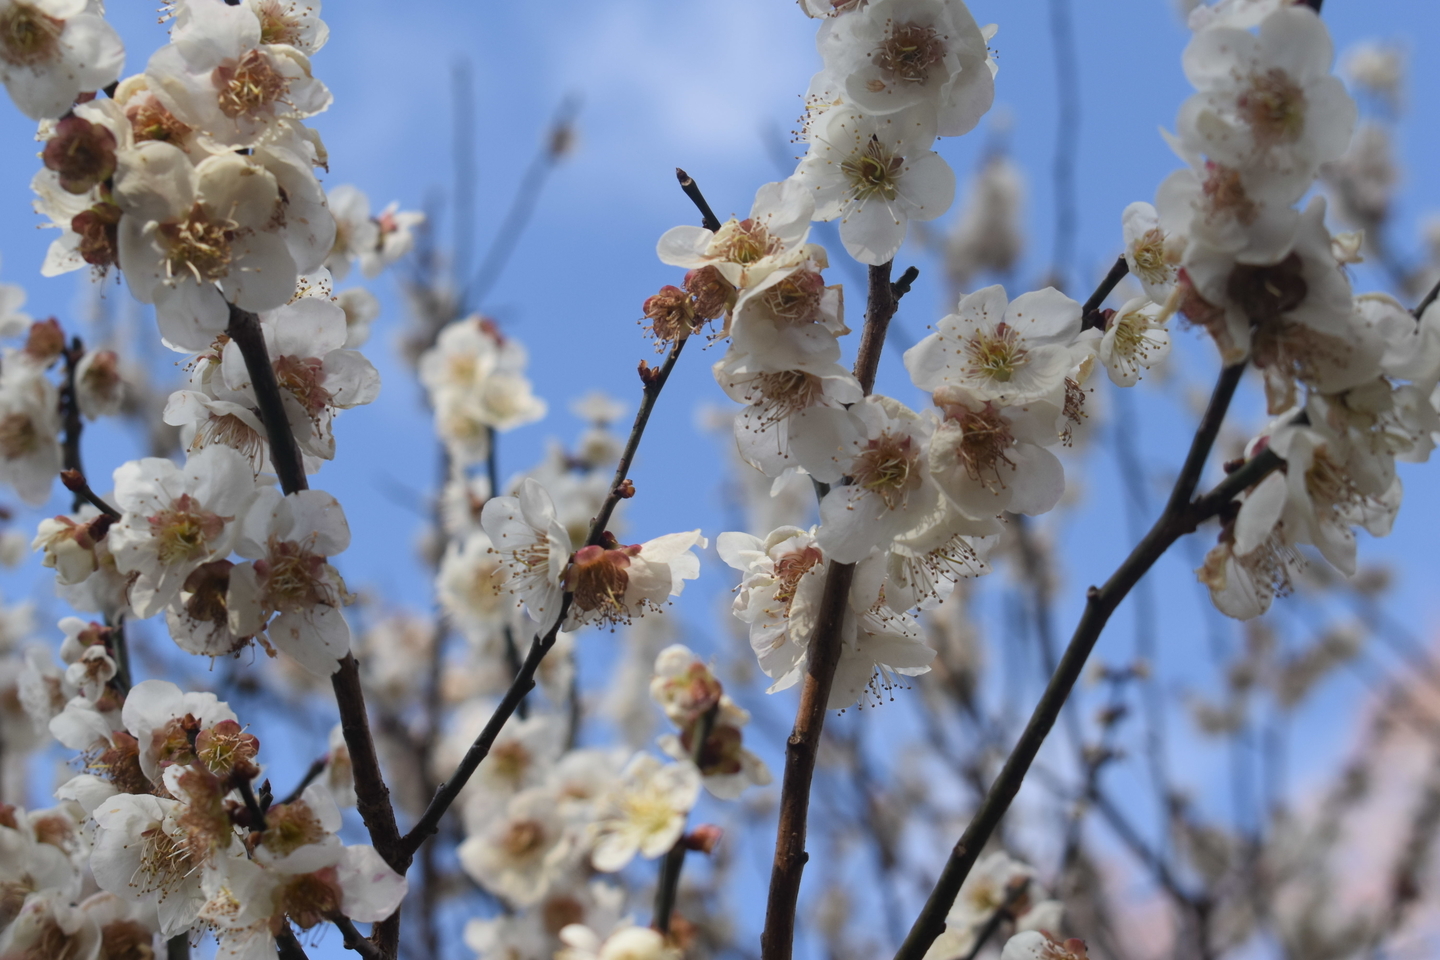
(546, 824)
(914, 498)
(1349, 379)
(165, 822)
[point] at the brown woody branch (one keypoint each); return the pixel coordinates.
(653, 380)
(1181, 516)
(372, 796)
(778, 938)
(1090, 315)
(667, 886)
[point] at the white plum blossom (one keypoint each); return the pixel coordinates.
(534, 548)
(613, 583)
(628, 942)
(53, 50)
(645, 812)
(751, 253)
(1135, 339)
(1267, 100)
(175, 519)
(875, 174)
(1008, 352)
(289, 540)
(217, 75)
(524, 852)
(931, 55)
(1146, 254)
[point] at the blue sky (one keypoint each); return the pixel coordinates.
(712, 88)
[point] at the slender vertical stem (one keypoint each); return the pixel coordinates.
(70, 410)
(668, 884)
(372, 796)
(178, 947)
(778, 939)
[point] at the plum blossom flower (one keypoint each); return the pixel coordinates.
(477, 383)
(289, 539)
(175, 519)
(1145, 251)
(750, 253)
(928, 54)
(1253, 562)
(196, 236)
(534, 548)
(999, 350)
(1135, 339)
(522, 854)
(30, 457)
(784, 574)
(988, 458)
(875, 174)
(645, 813)
(610, 583)
(53, 50)
(628, 942)
(1267, 100)
(1036, 945)
(217, 75)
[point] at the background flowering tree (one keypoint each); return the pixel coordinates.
(562, 755)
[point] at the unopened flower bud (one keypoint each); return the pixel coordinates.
(81, 152)
(684, 686)
(627, 489)
(703, 838)
(69, 548)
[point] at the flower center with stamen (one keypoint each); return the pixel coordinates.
(278, 24)
(199, 245)
(743, 241)
(887, 468)
(294, 578)
(1274, 107)
(310, 897)
(27, 36)
(785, 393)
(524, 838)
(909, 52)
(164, 862)
(229, 430)
(151, 121)
(996, 355)
(1264, 293)
(873, 171)
(290, 826)
(1225, 191)
(249, 86)
(184, 531)
(796, 299)
(1149, 255)
(985, 443)
(791, 569)
(99, 230)
(18, 436)
(510, 761)
(302, 376)
(598, 580)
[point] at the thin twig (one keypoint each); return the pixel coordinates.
(1429, 299)
(507, 236)
(1090, 316)
(1001, 914)
(247, 793)
(356, 941)
(1179, 517)
(654, 380)
(667, 886)
(287, 947)
(822, 657)
(75, 482)
(372, 796)
(317, 767)
(70, 409)
(708, 220)
(178, 947)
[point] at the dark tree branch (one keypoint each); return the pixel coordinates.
(1090, 316)
(654, 380)
(667, 886)
(247, 793)
(1179, 517)
(178, 947)
(778, 939)
(356, 941)
(287, 947)
(70, 411)
(708, 220)
(75, 482)
(1429, 299)
(372, 796)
